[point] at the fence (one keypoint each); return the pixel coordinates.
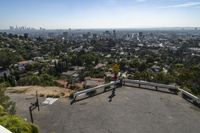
(190, 97)
(171, 88)
(90, 90)
(118, 83)
(186, 95)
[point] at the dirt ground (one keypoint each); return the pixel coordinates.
(42, 91)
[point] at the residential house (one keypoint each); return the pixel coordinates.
(22, 64)
(92, 82)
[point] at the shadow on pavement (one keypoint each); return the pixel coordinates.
(112, 95)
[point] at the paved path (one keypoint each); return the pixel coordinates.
(132, 110)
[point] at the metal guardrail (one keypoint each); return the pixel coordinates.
(156, 85)
(190, 97)
(185, 94)
(4, 130)
(79, 93)
(171, 88)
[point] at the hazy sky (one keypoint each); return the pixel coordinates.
(99, 13)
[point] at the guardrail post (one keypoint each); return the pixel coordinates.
(105, 88)
(37, 101)
(123, 82)
(156, 88)
(73, 100)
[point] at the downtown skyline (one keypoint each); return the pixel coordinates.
(63, 14)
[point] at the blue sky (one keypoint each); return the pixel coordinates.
(54, 14)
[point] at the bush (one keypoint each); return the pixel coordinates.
(5, 102)
(43, 80)
(17, 124)
(13, 123)
(71, 95)
(2, 111)
(35, 128)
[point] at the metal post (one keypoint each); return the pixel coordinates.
(156, 88)
(73, 100)
(34, 106)
(30, 110)
(37, 101)
(105, 88)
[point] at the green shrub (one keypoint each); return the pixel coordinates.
(5, 101)
(2, 111)
(35, 128)
(43, 80)
(17, 124)
(13, 123)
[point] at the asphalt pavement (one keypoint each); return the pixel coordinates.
(131, 110)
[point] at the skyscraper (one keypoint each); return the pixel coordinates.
(114, 34)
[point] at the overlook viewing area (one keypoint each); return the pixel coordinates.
(131, 110)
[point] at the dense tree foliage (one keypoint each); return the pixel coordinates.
(8, 57)
(177, 62)
(43, 80)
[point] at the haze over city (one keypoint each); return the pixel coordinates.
(62, 14)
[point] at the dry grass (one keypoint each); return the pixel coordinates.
(42, 91)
